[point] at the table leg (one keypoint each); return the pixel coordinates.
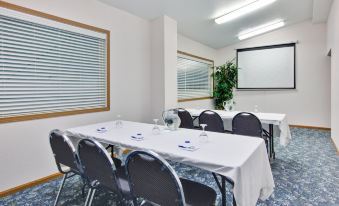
(222, 188)
(223, 192)
(271, 132)
(112, 149)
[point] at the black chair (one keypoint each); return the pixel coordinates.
(213, 121)
(154, 180)
(248, 124)
(186, 119)
(65, 156)
(100, 171)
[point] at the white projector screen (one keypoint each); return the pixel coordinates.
(268, 67)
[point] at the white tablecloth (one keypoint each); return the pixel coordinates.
(279, 120)
(242, 159)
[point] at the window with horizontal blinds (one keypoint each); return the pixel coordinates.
(193, 78)
(48, 68)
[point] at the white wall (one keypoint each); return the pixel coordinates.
(333, 45)
(25, 153)
(163, 68)
(157, 66)
(170, 46)
(309, 104)
(190, 46)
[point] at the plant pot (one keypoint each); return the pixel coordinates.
(229, 105)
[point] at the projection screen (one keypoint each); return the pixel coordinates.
(268, 67)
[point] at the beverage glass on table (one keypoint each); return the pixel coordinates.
(156, 129)
(118, 122)
(203, 138)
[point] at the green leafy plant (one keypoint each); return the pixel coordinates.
(225, 77)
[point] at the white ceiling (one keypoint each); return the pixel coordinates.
(321, 9)
(196, 17)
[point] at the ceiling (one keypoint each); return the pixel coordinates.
(196, 17)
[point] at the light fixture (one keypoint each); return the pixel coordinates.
(261, 29)
(245, 9)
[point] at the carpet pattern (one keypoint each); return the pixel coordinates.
(306, 172)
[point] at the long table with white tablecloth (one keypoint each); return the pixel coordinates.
(242, 159)
(271, 119)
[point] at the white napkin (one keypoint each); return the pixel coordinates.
(137, 137)
(101, 130)
(187, 145)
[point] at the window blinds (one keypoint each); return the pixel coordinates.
(47, 69)
(193, 78)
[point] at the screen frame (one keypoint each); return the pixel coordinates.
(264, 48)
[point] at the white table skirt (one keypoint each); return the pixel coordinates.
(279, 120)
(242, 159)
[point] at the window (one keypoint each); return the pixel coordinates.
(194, 77)
(50, 66)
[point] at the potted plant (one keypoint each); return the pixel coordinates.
(225, 77)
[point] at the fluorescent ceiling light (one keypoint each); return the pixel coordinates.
(247, 8)
(261, 29)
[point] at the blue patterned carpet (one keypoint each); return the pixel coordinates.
(306, 172)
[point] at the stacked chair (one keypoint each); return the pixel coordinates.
(154, 180)
(145, 175)
(248, 124)
(91, 162)
(213, 121)
(186, 119)
(66, 157)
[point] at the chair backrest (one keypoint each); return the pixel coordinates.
(186, 119)
(247, 124)
(97, 166)
(64, 151)
(213, 121)
(153, 179)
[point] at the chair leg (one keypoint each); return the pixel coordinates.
(92, 197)
(83, 191)
(267, 147)
(135, 202)
(88, 196)
(61, 186)
(223, 193)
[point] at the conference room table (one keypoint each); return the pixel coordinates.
(273, 120)
(241, 159)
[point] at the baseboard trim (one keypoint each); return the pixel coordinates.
(29, 184)
(335, 146)
(310, 127)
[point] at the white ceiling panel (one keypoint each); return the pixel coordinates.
(196, 17)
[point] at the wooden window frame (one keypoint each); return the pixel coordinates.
(72, 23)
(204, 59)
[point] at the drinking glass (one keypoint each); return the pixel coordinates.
(156, 129)
(256, 108)
(118, 122)
(203, 136)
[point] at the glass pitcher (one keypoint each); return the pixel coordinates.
(171, 119)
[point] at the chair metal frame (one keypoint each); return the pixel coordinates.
(173, 174)
(222, 187)
(66, 174)
(94, 185)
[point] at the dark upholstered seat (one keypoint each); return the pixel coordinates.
(100, 170)
(213, 121)
(186, 119)
(154, 180)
